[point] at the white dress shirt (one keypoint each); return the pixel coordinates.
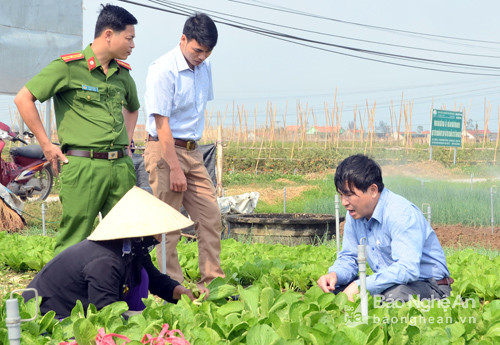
(178, 92)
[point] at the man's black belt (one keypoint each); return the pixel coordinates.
(189, 145)
(99, 155)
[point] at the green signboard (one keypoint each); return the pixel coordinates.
(446, 129)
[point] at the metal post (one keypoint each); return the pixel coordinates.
(337, 224)
(284, 200)
(492, 191)
(428, 211)
(163, 255)
(429, 214)
(43, 219)
(454, 156)
(13, 320)
(362, 279)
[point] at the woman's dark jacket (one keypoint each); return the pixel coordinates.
(96, 272)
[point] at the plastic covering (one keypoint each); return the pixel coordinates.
(244, 203)
(11, 200)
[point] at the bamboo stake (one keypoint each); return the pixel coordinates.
(400, 114)
(334, 111)
(332, 120)
(296, 133)
(362, 129)
(392, 130)
(487, 119)
(354, 133)
(220, 160)
(468, 112)
(464, 129)
(315, 126)
(339, 124)
(232, 124)
(285, 134)
(405, 111)
(368, 139)
(261, 144)
(240, 115)
(373, 124)
(304, 116)
(335, 139)
(272, 125)
(325, 106)
(209, 117)
(409, 127)
(498, 136)
(246, 127)
(255, 127)
(301, 125)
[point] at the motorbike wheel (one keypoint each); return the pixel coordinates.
(42, 181)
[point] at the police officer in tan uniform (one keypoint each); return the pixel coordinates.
(96, 108)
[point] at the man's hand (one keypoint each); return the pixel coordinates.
(327, 282)
(178, 182)
(53, 154)
(351, 290)
(25, 102)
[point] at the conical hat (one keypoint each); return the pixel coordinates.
(139, 214)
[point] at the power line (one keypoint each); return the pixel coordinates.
(337, 36)
(177, 8)
(284, 9)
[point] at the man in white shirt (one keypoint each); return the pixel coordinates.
(178, 87)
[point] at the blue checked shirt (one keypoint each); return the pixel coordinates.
(401, 246)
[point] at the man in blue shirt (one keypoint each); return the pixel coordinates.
(402, 249)
(178, 87)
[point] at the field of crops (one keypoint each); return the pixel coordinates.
(278, 302)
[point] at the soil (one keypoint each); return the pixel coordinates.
(452, 236)
(459, 236)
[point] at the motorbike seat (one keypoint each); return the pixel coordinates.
(30, 151)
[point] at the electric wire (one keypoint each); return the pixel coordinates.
(284, 9)
(175, 8)
(345, 37)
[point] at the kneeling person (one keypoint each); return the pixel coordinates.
(113, 264)
(402, 249)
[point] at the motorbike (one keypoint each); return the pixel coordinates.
(29, 175)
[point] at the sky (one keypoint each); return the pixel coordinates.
(252, 71)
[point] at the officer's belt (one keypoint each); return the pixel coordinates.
(99, 155)
(189, 145)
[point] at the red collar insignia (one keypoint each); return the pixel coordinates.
(91, 63)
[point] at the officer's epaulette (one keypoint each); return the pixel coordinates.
(124, 64)
(72, 57)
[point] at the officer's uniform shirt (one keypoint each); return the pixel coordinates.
(88, 104)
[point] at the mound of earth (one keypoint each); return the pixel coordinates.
(460, 236)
